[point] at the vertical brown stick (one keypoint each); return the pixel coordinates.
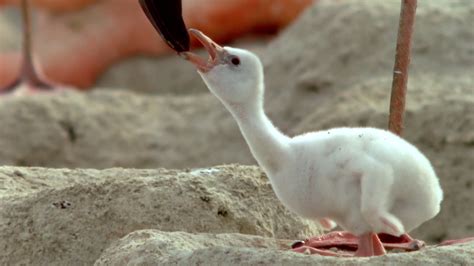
(400, 70)
(28, 70)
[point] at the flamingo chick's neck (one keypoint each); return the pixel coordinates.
(268, 145)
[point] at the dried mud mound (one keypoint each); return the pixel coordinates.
(68, 217)
(337, 45)
(109, 129)
(152, 247)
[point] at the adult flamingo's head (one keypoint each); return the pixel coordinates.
(234, 75)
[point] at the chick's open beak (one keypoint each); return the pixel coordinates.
(216, 53)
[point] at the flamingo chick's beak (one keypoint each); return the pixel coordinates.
(216, 53)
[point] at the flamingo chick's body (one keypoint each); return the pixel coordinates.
(367, 180)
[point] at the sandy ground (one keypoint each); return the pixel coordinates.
(68, 217)
(330, 68)
(151, 247)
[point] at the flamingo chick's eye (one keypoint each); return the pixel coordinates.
(235, 61)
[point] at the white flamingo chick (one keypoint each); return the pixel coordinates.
(366, 180)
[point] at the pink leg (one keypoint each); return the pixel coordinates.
(348, 244)
(404, 242)
(11, 87)
(369, 245)
(30, 84)
(456, 241)
(327, 224)
(322, 252)
(29, 79)
(345, 241)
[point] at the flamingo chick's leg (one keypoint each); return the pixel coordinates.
(327, 223)
(344, 241)
(373, 208)
(369, 245)
(375, 191)
(347, 244)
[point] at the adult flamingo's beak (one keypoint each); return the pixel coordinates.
(216, 53)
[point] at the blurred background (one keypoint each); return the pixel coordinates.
(134, 103)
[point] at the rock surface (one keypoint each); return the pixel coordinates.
(68, 217)
(106, 129)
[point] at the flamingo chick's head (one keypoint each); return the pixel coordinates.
(233, 75)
